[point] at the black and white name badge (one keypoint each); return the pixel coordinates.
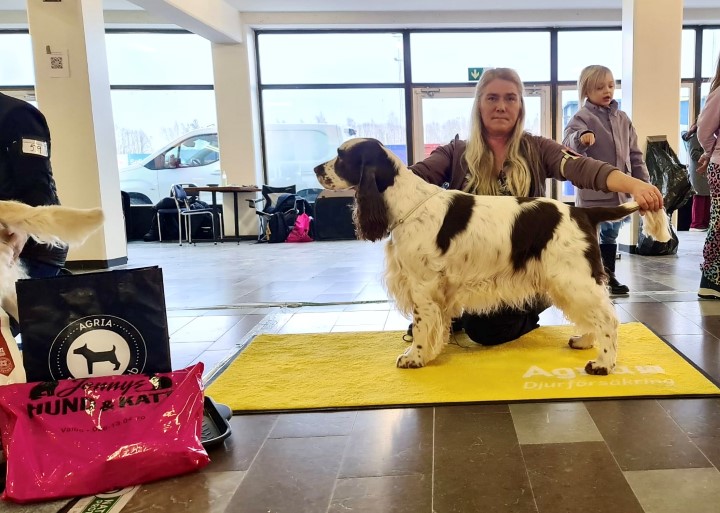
(35, 147)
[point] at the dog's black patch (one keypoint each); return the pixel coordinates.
(366, 159)
(533, 229)
(592, 253)
(456, 220)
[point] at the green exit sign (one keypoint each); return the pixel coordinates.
(474, 74)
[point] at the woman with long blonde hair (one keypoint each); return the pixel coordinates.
(501, 158)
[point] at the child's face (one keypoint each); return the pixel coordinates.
(602, 93)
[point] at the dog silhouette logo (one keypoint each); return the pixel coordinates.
(97, 345)
(97, 356)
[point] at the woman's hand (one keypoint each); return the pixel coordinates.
(647, 196)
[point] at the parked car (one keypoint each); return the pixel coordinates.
(292, 150)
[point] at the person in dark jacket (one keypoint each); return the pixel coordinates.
(26, 176)
(500, 158)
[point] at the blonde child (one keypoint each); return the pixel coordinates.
(601, 131)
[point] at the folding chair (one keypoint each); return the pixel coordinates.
(185, 214)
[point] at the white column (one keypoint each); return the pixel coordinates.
(652, 37)
(76, 103)
(238, 127)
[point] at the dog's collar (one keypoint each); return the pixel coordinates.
(406, 216)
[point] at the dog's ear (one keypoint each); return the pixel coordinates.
(370, 214)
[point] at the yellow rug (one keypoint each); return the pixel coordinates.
(357, 370)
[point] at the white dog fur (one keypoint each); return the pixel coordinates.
(53, 224)
(451, 252)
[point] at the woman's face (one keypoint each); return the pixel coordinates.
(500, 106)
(602, 93)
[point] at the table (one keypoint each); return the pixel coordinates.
(224, 189)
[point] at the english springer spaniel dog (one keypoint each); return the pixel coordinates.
(52, 224)
(450, 251)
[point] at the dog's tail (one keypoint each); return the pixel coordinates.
(655, 223)
(52, 224)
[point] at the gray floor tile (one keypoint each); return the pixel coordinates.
(578, 477)
(548, 423)
(695, 490)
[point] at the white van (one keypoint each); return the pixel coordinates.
(292, 150)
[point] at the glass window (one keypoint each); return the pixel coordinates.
(147, 120)
(685, 95)
(143, 58)
(687, 54)
(710, 51)
(16, 64)
(195, 151)
(330, 58)
(577, 49)
(305, 127)
(445, 117)
(446, 57)
(704, 92)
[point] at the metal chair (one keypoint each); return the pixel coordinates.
(185, 213)
(265, 207)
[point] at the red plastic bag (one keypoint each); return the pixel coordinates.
(86, 436)
(301, 230)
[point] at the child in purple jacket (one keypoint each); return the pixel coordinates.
(601, 131)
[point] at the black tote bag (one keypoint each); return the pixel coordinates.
(94, 324)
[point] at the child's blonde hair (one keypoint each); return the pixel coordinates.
(590, 77)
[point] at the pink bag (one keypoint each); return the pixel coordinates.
(301, 230)
(86, 436)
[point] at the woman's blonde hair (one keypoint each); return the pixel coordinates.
(480, 158)
(590, 78)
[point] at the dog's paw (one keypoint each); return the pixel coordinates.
(581, 341)
(410, 360)
(595, 369)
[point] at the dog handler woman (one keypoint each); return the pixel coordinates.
(500, 158)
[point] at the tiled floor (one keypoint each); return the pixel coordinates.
(603, 456)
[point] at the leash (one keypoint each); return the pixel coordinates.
(406, 216)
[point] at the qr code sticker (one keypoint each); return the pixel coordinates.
(56, 62)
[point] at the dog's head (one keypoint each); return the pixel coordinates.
(368, 167)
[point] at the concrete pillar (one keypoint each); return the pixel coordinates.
(652, 38)
(76, 103)
(238, 127)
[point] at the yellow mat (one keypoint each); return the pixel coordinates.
(357, 370)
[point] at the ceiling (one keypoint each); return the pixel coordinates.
(392, 5)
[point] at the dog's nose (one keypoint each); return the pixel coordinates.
(319, 169)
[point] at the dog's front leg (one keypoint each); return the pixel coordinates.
(430, 333)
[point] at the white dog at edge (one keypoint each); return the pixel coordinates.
(52, 224)
(450, 251)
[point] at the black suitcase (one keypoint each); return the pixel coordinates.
(333, 217)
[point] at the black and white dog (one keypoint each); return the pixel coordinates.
(451, 252)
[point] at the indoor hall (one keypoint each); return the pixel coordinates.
(172, 70)
(602, 456)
